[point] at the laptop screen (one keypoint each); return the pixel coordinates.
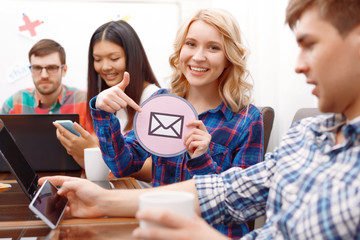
(11, 155)
(35, 136)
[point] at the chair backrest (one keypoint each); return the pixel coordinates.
(304, 113)
(268, 119)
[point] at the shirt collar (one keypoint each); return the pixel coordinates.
(352, 126)
(60, 99)
(335, 121)
(330, 122)
(228, 114)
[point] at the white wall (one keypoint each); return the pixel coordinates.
(272, 45)
(272, 59)
(72, 23)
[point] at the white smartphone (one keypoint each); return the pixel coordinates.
(69, 125)
(48, 205)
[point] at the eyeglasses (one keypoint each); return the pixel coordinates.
(50, 69)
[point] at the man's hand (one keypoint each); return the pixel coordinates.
(84, 196)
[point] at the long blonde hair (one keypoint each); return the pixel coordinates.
(234, 90)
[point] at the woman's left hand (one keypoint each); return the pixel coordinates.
(198, 139)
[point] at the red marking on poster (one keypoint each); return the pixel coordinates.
(29, 26)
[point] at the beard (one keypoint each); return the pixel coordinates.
(49, 88)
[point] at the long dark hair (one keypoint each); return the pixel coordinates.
(137, 63)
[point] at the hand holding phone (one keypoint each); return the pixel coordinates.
(48, 205)
(69, 125)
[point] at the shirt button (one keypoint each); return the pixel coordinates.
(107, 117)
(50, 112)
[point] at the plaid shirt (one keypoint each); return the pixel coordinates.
(71, 100)
(237, 140)
(309, 187)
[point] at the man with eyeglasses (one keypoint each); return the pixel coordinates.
(48, 66)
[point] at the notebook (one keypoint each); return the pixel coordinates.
(45, 202)
(36, 138)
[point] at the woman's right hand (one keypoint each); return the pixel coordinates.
(75, 145)
(113, 99)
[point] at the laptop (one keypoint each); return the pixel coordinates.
(15, 161)
(44, 201)
(35, 135)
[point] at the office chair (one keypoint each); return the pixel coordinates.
(304, 113)
(268, 119)
(300, 114)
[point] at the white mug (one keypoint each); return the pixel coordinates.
(175, 201)
(95, 167)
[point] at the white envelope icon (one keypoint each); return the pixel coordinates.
(166, 125)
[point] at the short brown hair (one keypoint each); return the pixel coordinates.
(47, 46)
(344, 15)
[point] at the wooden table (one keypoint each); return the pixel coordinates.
(17, 221)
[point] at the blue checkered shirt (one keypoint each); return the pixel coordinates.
(309, 187)
(237, 140)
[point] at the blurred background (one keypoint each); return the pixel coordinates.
(273, 50)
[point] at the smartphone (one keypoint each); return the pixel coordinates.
(48, 205)
(69, 125)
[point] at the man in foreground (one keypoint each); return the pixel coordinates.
(309, 186)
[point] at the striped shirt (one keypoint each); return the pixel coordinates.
(71, 100)
(308, 188)
(237, 140)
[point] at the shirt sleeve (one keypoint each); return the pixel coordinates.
(80, 107)
(124, 156)
(236, 195)
(247, 151)
(6, 108)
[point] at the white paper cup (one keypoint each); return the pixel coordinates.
(178, 202)
(95, 167)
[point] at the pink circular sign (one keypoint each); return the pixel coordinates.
(160, 126)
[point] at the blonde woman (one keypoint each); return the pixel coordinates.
(209, 64)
